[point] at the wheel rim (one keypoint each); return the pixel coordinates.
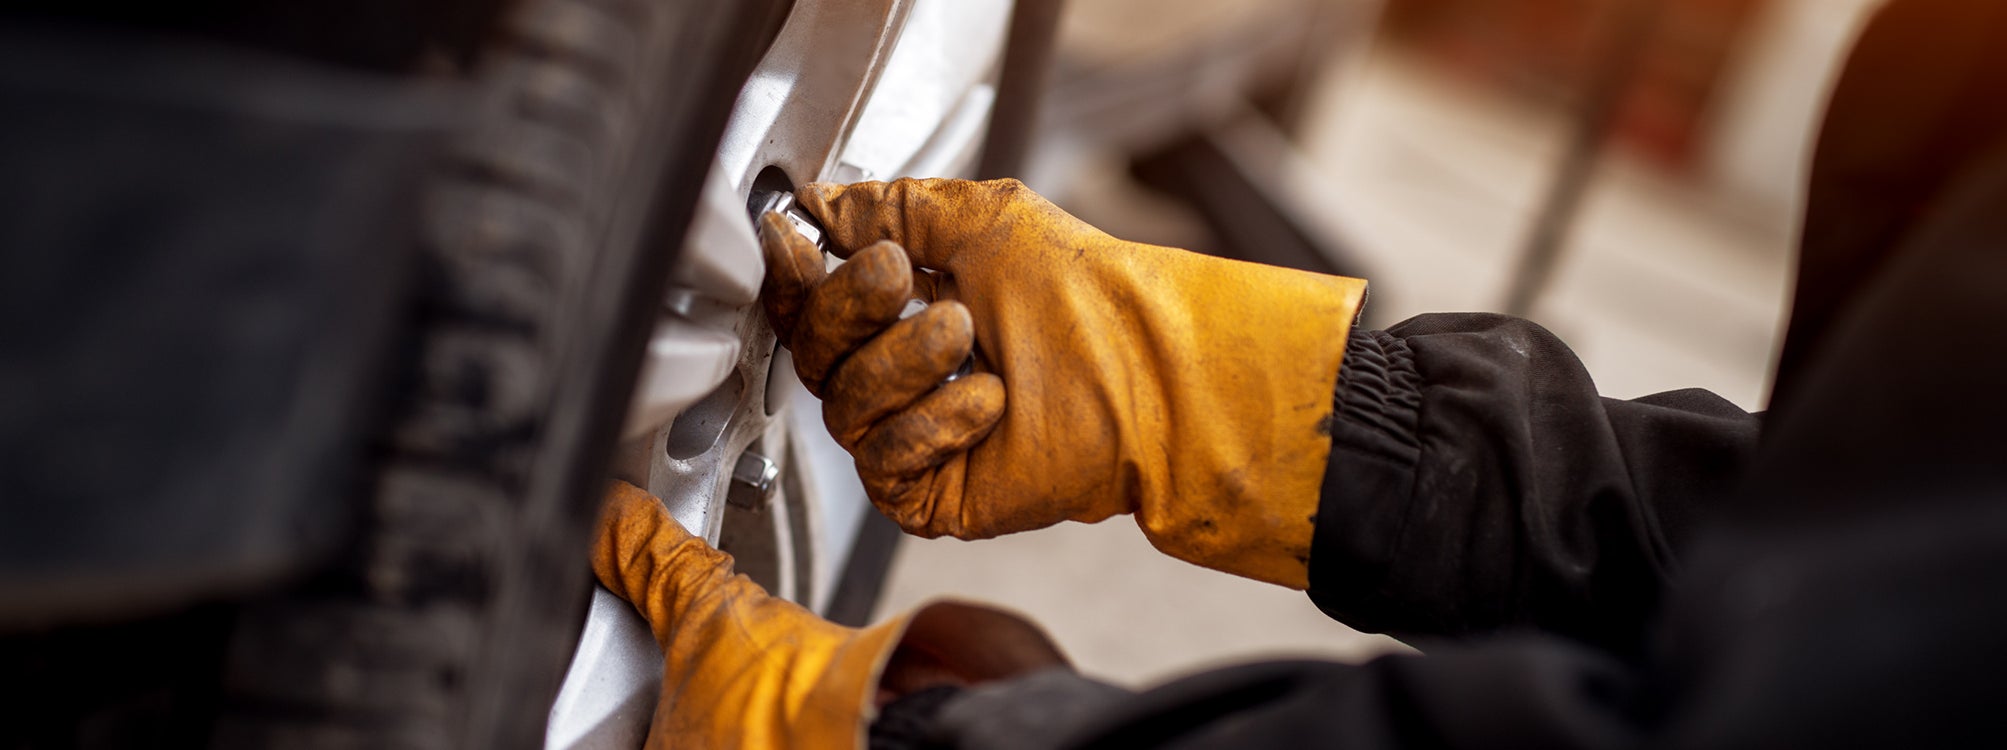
(850, 90)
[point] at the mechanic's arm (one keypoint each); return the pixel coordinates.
(1197, 393)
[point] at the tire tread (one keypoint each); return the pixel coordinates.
(378, 651)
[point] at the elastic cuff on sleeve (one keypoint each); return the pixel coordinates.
(1368, 480)
(1379, 397)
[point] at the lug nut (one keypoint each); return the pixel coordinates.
(754, 478)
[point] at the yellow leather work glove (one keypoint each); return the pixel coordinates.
(744, 669)
(1110, 377)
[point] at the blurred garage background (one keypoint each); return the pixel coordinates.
(1627, 172)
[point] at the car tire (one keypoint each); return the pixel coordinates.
(548, 235)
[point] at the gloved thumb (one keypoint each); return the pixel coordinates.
(642, 555)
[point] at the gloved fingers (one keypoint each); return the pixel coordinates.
(896, 368)
(794, 269)
(933, 219)
(940, 425)
(927, 505)
(859, 299)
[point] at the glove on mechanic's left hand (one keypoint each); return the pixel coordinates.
(1110, 377)
(744, 669)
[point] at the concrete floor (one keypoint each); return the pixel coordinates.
(1666, 286)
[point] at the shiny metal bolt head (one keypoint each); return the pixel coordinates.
(754, 478)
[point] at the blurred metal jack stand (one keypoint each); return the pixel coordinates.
(1204, 102)
(1627, 29)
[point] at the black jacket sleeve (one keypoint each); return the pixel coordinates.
(1477, 482)
(1878, 630)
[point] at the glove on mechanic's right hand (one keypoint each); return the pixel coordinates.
(1110, 377)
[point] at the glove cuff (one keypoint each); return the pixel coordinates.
(1252, 420)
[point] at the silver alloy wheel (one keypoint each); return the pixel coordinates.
(720, 429)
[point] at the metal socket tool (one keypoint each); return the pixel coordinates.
(763, 201)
